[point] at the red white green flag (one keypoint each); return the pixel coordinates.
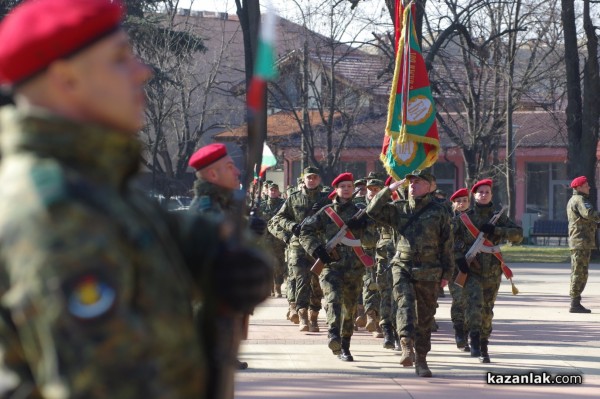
(411, 137)
(268, 160)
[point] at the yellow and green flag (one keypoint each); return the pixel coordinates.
(411, 136)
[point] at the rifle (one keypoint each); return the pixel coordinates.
(477, 247)
(338, 238)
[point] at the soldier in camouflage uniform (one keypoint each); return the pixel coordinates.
(371, 295)
(583, 220)
(341, 278)
(460, 203)
(484, 274)
(289, 219)
(271, 243)
(96, 279)
(420, 264)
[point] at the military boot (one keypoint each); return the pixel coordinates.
(294, 318)
(484, 357)
(475, 344)
(577, 307)
(388, 336)
(335, 342)
(361, 318)
(459, 337)
(378, 333)
(372, 321)
(313, 324)
(421, 367)
(303, 314)
(397, 346)
(278, 291)
(408, 354)
(345, 355)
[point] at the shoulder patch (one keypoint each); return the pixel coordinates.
(89, 296)
(204, 203)
(49, 182)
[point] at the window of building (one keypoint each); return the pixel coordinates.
(547, 190)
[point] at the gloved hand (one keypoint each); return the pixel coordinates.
(321, 253)
(462, 265)
(296, 229)
(359, 223)
(243, 277)
(488, 228)
(257, 225)
(320, 204)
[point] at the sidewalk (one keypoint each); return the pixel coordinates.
(533, 332)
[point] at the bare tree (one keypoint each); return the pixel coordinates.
(583, 105)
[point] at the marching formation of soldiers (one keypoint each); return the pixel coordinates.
(105, 294)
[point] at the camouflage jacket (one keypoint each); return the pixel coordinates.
(268, 209)
(211, 199)
(94, 279)
(506, 230)
(319, 228)
(424, 245)
(583, 219)
(293, 211)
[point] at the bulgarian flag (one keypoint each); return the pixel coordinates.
(411, 138)
(264, 70)
(268, 160)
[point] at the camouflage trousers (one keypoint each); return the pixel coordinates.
(387, 307)
(308, 290)
(417, 303)
(480, 295)
(342, 286)
(280, 267)
(458, 307)
(370, 292)
(580, 260)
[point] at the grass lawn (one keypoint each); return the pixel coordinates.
(535, 254)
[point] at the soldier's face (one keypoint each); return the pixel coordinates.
(418, 187)
(584, 188)
(312, 181)
(227, 175)
(372, 191)
(108, 84)
(274, 192)
(460, 204)
(483, 195)
(345, 189)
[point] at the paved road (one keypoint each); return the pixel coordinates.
(533, 332)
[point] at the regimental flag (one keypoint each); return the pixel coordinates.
(268, 160)
(411, 137)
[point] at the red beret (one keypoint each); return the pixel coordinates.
(207, 155)
(38, 32)
(578, 181)
(343, 177)
(484, 182)
(463, 192)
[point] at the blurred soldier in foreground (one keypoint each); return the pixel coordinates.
(343, 272)
(96, 281)
(583, 219)
(485, 273)
(422, 262)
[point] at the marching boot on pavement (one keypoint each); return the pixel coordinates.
(388, 336)
(278, 291)
(293, 313)
(484, 357)
(421, 367)
(461, 339)
(378, 333)
(303, 314)
(397, 346)
(335, 341)
(346, 356)
(577, 307)
(313, 324)
(372, 320)
(361, 318)
(475, 344)
(408, 354)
